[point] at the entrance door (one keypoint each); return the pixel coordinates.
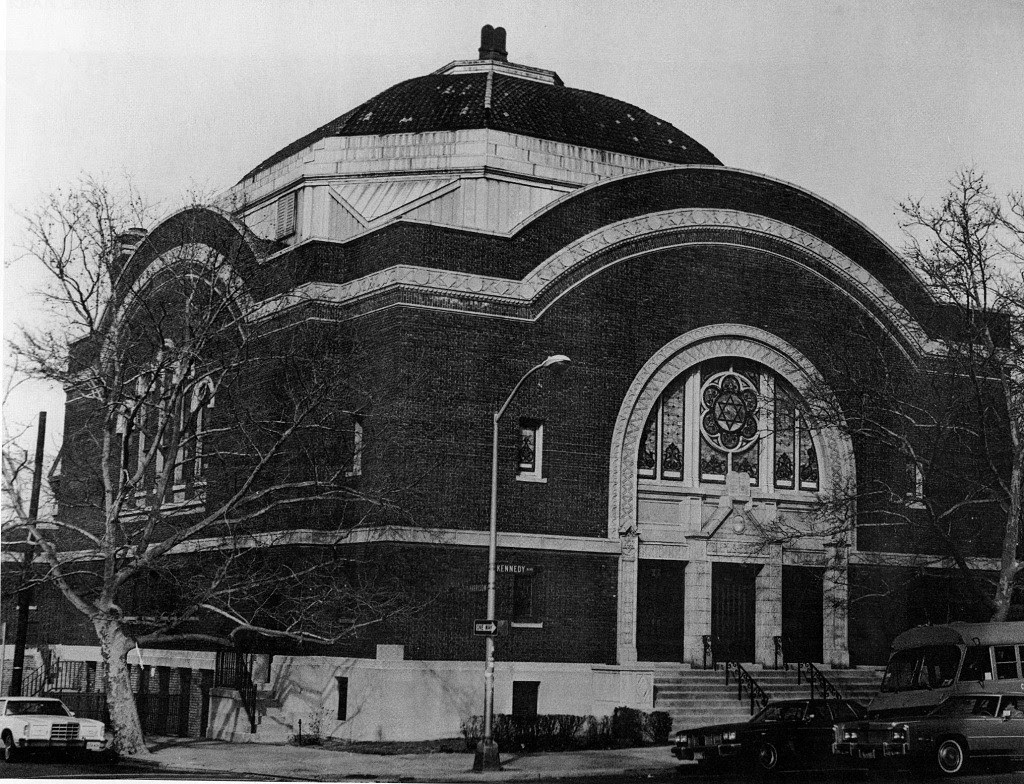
(732, 610)
(659, 611)
(802, 613)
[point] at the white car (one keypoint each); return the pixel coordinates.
(43, 722)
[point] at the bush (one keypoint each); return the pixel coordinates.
(564, 732)
(627, 727)
(659, 725)
(547, 732)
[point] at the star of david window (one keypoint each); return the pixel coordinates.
(729, 414)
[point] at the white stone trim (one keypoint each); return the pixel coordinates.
(391, 534)
(442, 284)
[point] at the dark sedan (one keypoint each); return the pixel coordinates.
(962, 727)
(787, 733)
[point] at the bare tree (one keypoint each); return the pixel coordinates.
(942, 434)
(196, 433)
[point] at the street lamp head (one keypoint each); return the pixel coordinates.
(556, 360)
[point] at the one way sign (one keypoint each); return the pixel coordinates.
(485, 628)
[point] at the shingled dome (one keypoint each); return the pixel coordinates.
(492, 93)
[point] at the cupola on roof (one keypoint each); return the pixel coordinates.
(490, 92)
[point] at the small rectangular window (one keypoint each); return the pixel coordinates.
(524, 698)
(356, 448)
(287, 206)
(530, 454)
(522, 598)
(1007, 661)
(342, 698)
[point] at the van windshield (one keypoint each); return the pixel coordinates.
(929, 667)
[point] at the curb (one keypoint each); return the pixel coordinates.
(459, 778)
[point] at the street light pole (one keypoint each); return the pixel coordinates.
(486, 757)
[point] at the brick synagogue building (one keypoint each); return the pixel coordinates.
(660, 499)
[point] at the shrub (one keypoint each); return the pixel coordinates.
(627, 727)
(659, 725)
(547, 732)
(564, 732)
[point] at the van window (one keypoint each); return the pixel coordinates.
(1007, 661)
(930, 667)
(977, 664)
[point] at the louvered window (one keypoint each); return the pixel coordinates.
(287, 206)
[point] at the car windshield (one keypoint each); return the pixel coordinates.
(845, 711)
(780, 712)
(35, 708)
(930, 667)
(967, 706)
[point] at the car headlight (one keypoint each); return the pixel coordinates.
(38, 730)
(729, 735)
(850, 735)
(682, 739)
(92, 732)
(900, 733)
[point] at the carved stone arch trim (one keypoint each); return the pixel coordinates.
(182, 256)
(676, 357)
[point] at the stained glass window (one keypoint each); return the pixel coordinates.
(785, 438)
(733, 403)
(647, 457)
(729, 424)
(673, 412)
(712, 463)
(530, 454)
(808, 459)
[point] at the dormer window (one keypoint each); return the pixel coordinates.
(287, 209)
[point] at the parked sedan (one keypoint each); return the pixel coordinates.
(786, 733)
(961, 728)
(45, 723)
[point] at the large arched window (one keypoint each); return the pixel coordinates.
(729, 414)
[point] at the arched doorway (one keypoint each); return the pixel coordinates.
(718, 473)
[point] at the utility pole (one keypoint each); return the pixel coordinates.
(25, 589)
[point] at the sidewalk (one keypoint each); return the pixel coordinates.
(310, 763)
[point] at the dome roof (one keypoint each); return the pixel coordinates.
(491, 93)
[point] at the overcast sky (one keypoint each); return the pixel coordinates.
(863, 103)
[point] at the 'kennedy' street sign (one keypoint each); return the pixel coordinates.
(507, 568)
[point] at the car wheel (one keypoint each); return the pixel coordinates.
(10, 751)
(951, 756)
(768, 757)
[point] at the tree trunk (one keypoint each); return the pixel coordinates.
(1009, 565)
(124, 717)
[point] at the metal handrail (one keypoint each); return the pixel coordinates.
(817, 677)
(780, 653)
(232, 670)
(709, 650)
(32, 684)
(758, 696)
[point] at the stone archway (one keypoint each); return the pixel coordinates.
(706, 540)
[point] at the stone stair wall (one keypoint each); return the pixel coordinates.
(273, 725)
(697, 698)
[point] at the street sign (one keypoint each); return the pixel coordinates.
(485, 628)
(507, 568)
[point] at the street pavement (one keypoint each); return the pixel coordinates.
(314, 764)
(183, 758)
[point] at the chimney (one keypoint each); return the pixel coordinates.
(492, 44)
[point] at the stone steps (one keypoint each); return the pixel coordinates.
(697, 698)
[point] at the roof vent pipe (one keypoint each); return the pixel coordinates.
(492, 44)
